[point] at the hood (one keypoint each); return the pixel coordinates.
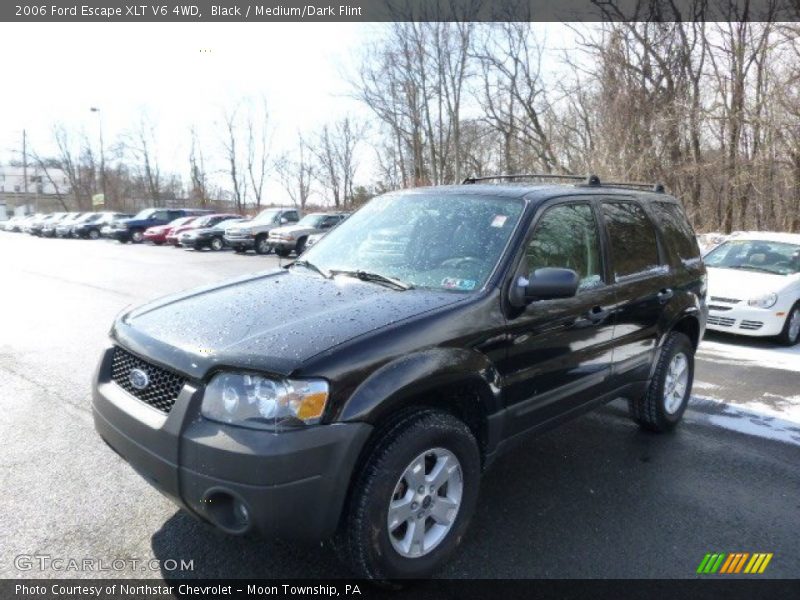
(295, 229)
(744, 284)
(272, 322)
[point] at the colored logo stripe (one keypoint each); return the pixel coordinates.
(734, 562)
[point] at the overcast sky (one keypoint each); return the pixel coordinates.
(53, 73)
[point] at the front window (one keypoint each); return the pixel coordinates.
(432, 241)
(779, 258)
(567, 237)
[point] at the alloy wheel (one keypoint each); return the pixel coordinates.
(676, 382)
(425, 503)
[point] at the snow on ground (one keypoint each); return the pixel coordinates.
(759, 352)
(752, 419)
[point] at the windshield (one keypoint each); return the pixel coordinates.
(432, 241)
(181, 221)
(313, 220)
(779, 258)
(266, 216)
(143, 214)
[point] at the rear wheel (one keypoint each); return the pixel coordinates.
(662, 407)
(412, 501)
(791, 329)
(216, 244)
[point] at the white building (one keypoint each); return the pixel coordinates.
(40, 182)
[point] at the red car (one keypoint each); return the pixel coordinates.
(158, 234)
(198, 223)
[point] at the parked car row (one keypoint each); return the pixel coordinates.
(283, 230)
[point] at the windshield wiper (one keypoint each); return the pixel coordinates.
(375, 278)
(308, 265)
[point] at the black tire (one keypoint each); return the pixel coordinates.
(283, 252)
(786, 337)
(363, 540)
(300, 246)
(216, 244)
(650, 411)
(262, 244)
(136, 236)
(93, 234)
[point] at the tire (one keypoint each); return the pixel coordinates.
(300, 247)
(93, 234)
(262, 245)
(239, 250)
(283, 252)
(364, 539)
(216, 244)
(137, 236)
(790, 334)
(657, 410)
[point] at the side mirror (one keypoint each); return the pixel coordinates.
(549, 283)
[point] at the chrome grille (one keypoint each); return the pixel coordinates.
(163, 387)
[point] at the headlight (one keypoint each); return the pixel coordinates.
(256, 401)
(763, 301)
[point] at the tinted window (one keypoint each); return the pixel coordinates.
(291, 216)
(632, 238)
(677, 232)
(567, 237)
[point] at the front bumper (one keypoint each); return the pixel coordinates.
(240, 241)
(156, 238)
(742, 319)
(291, 484)
(121, 235)
(285, 244)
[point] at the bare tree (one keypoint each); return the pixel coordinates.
(230, 144)
(197, 171)
(258, 149)
(296, 172)
(141, 145)
(335, 151)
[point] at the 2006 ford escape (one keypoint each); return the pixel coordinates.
(358, 393)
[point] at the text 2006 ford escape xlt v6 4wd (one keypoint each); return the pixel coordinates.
(358, 393)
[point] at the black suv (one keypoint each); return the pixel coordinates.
(358, 393)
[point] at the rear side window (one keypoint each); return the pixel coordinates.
(567, 237)
(678, 234)
(291, 216)
(632, 239)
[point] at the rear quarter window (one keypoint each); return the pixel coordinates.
(677, 233)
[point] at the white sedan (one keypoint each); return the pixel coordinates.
(754, 286)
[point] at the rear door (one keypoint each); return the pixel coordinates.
(560, 350)
(642, 286)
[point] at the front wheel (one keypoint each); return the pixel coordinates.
(262, 245)
(137, 236)
(216, 244)
(790, 334)
(663, 405)
(412, 501)
(93, 234)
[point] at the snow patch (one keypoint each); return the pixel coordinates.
(754, 418)
(764, 354)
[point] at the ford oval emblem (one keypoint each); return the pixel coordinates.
(139, 379)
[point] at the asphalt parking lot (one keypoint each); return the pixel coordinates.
(594, 498)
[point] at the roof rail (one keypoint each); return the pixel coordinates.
(589, 180)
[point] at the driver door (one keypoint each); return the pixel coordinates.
(560, 350)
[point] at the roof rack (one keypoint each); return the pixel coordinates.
(589, 180)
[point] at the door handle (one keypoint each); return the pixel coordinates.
(664, 295)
